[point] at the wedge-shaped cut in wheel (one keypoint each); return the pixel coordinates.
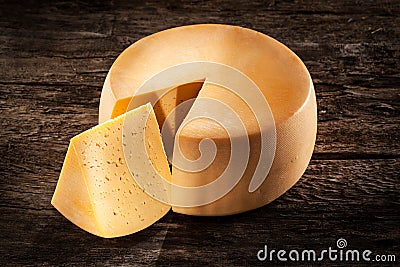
(96, 190)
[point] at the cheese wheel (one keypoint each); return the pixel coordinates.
(278, 73)
(96, 189)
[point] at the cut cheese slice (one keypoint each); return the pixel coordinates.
(96, 190)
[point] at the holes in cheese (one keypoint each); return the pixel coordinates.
(96, 190)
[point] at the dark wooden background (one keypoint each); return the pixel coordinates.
(54, 59)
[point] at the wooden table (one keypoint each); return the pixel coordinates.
(54, 59)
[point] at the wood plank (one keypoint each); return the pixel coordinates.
(54, 56)
(339, 64)
(44, 237)
(76, 36)
(353, 122)
(335, 198)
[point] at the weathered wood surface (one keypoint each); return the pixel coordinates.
(54, 58)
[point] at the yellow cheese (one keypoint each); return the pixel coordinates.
(295, 142)
(96, 189)
(164, 100)
(279, 74)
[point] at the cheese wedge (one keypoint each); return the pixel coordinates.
(96, 189)
(279, 74)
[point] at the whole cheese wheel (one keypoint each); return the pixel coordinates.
(278, 73)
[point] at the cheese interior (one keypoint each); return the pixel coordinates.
(96, 190)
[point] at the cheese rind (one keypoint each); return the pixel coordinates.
(276, 70)
(96, 190)
(295, 144)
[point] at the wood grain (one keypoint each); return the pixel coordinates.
(54, 57)
(335, 198)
